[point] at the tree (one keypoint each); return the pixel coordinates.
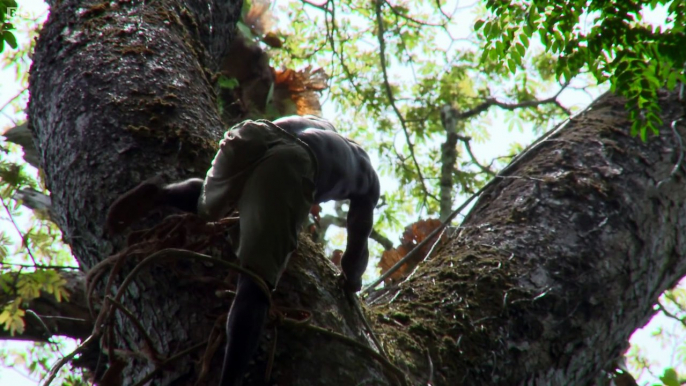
(533, 288)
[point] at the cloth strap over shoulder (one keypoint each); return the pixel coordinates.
(243, 148)
(286, 134)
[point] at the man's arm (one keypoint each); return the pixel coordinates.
(359, 225)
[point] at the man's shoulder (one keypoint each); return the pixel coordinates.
(297, 123)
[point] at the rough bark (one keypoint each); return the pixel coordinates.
(560, 260)
(122, 91)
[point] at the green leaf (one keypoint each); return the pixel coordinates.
(244, 29)
(10, 39)
(528, 30)
(524, 39)
(520, 48)
(670, 377)
(478, 24)
(228, 83)
(512, 65)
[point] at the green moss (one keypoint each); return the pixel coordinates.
(401, 317)
(135, 50)
(420, 328)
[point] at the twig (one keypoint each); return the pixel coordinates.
(501, 175)
(63, 361)
(397, 372)
(173, 253)
(17, 95)
(48, 333)
(213, 343)
(318, 6)
(489, 102)
(430, 381)
(467, 145)
(677, 166)
(428, 254)
(670, 315)
(23, 239)
(338, 221)
(355, 301)
(381, 239)
(440, 9)
(410, 19)
(187, 351)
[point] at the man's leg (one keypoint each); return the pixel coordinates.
(148, 195)
(243, 330)
(274, 202)
(183, 195)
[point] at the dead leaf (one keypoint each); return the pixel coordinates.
(414, 234)
(260, 18)
(296, 91)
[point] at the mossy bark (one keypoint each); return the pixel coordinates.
(557, 263)
(122, 91)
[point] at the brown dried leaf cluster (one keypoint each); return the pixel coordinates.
(413, 235)
(297, 91)
(263, 91)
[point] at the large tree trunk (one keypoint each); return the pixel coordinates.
(560, 260)
(122, 91)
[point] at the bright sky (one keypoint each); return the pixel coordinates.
(500, 142)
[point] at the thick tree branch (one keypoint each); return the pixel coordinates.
(490, 102)
(670, 315)
(557, 263)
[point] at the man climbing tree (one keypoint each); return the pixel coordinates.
(272, 173)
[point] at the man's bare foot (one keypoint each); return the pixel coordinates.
(134, 204)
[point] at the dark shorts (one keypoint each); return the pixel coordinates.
(268, 175)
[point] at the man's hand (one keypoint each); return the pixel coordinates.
(134, 204)
(354, 285)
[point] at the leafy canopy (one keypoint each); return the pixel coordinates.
(606, 38)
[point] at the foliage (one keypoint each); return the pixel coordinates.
(671, 378)
(30, 247)
(7, 7)
(662, 344)
(414, 234)
(606, 38)
(392, 68)
(37, 358)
